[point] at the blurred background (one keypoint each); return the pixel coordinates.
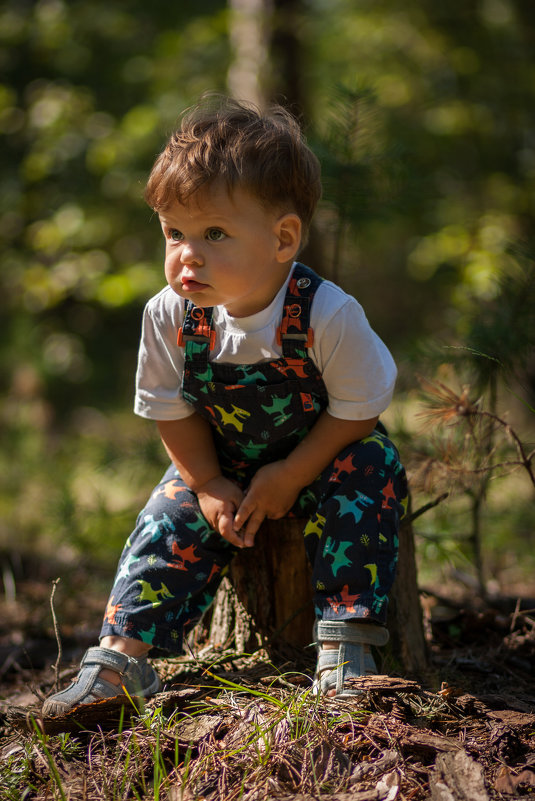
(423, 116)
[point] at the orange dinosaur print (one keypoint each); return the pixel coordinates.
(170, 489)
(111, 611)
(293, 367)
(183, 555)
(213, 572)
(342, 466)
(388, 494)
(346, 600)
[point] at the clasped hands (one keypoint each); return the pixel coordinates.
(237, 514)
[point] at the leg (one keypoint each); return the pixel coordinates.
(169, 570)
(351, 540)
(167, 576)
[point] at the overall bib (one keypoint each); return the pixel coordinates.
(173, 562)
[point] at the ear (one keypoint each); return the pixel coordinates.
(288, 232)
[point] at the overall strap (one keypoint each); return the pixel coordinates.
(196, 334)
(294, 333)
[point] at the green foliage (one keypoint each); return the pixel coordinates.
(423, 117)
(89, 95)
(500, 333)
(454, 95)
(76, 491)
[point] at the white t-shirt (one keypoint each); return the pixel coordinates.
(357, 368)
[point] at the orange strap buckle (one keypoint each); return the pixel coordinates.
(207, 335)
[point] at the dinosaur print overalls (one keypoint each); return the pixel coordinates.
(173, 562)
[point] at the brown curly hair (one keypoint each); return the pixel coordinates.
(264, 153)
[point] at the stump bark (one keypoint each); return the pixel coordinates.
(405, 620)
(268, 597)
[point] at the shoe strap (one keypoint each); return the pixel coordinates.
(345, 631)
(335, 666)
(106, 657)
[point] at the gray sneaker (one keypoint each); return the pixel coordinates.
(138, 678)
(351, 659)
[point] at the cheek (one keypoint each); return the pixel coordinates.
(171, 266)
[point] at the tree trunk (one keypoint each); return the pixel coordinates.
(249, 31)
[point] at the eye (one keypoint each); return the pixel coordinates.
(215, 235)
(175, 235)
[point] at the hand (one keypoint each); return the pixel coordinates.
(219, 498)
(272, 493)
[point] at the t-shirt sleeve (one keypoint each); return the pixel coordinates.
(357, 367)
(160, 363)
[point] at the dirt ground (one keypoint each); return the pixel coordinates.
(464, 730)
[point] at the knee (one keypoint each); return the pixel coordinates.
(374, 452)
(370, 465)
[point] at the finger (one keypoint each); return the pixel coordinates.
(255, 521)
(227, 530)
(245, 510)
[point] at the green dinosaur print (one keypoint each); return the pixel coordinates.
(338, 551)
(250, 375)
(252, 450)
(200, 526)
(306, 498)
(194, 349)
(379, 439)
(205, 376)
(148, 593)
(157, 528)
(276, 409)
(124, 572)
(147, 635)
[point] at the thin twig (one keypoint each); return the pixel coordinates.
(58, 636)
(426, 508)
(476, 471)
(525, 458)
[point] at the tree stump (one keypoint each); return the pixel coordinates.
(273, 582)
(268, 597)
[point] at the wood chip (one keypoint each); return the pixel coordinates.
(409, 737)
(457, 777)
(508, 781)
(383, 684)
(366, 770)
(190, 731)
(512, 718)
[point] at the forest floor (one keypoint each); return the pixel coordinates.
(246, 726)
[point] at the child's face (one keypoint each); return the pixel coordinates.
(227, 249)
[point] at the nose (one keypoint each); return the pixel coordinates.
(191, 253)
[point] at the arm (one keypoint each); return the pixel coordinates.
(275, 487)
(190, 446)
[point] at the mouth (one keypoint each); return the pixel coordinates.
(189, 285)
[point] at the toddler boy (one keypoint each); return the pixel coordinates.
(266, 383)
